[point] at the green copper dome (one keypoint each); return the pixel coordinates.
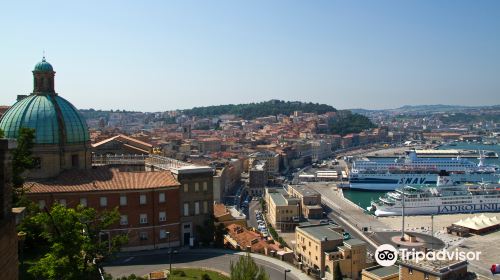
(54, 119)
(43, 66)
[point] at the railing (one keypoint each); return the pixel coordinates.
(165, 162)
(118, 159)
(159, 162)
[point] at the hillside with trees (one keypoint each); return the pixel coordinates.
(261, 109)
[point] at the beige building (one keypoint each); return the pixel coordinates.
(433, 270)
(272, 159)
(380, 273)
(320, 247)
(283, 211)
(351, 257)
(310, 201)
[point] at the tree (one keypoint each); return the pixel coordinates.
(2, 134)
(22, 160)
(220, 232)
(76, 242)
(207, 231)
(337, 274)
(246, 269)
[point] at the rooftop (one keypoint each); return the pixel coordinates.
(354, 242)
(383, 271)
(321, 231)
(102, 179)
(434, 266)
(278, 199)
(305, 190)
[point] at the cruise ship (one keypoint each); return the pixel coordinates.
(442, 198)
(412, 170)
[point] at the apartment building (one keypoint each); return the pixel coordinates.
(257, 177)
(380, 273)
(148, 202)
(310, 201)
(283, 211)
(272, 159)
(196, 198)
(433, 270)
(321, 247)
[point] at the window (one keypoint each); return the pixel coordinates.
(123, 200)
(142, 199)
(163, 216)
(197, 208)
(41, 204)
(103, 201)
(83, 202)
(205, 207)
(186, 187)
(163, 234)
(186, 209)
(143, 219)
(62, 202)
(205, 186)
(196, 187)
(161, 198)
(143, 236)
(123, 220)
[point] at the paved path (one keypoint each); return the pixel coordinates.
(141, 263)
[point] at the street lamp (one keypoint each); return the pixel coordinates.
(286, 270)
(169, 254)
(21, 236)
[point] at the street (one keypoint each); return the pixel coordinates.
(141, 263)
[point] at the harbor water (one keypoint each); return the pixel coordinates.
(363, 198)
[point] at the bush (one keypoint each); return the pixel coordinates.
(205, 277)
(179, 273)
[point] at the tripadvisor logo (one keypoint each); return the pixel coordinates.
(387, 255)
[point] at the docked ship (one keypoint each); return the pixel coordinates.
(443, 198)
(412, 170)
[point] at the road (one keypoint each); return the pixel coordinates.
(252, 220)
(348, 216)
(148, 261)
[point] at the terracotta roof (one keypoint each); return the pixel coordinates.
(102, 179)
(220, 210)
(244, 238)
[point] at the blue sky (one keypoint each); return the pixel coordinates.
(162, 55)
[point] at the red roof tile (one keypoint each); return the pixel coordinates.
(102, 179)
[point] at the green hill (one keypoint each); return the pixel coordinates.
(261, 109)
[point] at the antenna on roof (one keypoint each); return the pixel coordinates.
(43, 54)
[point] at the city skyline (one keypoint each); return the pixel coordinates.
(166, 56)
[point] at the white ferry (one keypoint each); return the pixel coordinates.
(411, 170)
(442, 198)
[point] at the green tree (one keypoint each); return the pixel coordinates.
(220, 232)
(246, 269)
(337, 274)
(207, 231)
(76, 242)
(2, 134)
(22, 159)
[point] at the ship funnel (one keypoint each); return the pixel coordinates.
(444, 179)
